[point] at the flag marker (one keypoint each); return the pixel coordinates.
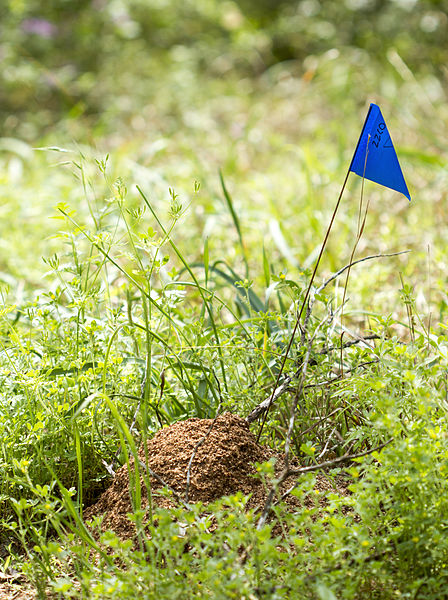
(374, 159)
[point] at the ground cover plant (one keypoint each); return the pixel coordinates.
(178, 226)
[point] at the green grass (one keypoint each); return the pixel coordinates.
(181, 258)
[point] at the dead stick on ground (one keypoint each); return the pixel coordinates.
(324, 465)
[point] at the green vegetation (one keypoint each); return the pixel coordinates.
(176, 164)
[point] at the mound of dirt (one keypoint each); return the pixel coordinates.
(224, 454)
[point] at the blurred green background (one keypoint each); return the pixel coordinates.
(106, 61)
(272, 93)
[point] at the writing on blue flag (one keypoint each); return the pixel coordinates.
(375, 157)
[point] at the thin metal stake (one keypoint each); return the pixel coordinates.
(304, 303)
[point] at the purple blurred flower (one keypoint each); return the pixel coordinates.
(40, 27)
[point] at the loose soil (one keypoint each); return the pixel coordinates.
(16, 591)
(224, 454)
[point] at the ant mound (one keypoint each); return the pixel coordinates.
(217, 456)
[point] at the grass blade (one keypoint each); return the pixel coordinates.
(235, 219)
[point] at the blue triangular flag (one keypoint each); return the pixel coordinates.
(375, 157)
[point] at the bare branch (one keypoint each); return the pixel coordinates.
(355, 262)
(285, 387)
(337, 461)
(259, 410)
(297, 397)
(290, 472)
(341, 377)
(264, 406)
(372, 336)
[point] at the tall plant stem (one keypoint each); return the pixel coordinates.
(305, 300)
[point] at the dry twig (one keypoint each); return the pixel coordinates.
(288, 472)
(265, 406)
(164, 483)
